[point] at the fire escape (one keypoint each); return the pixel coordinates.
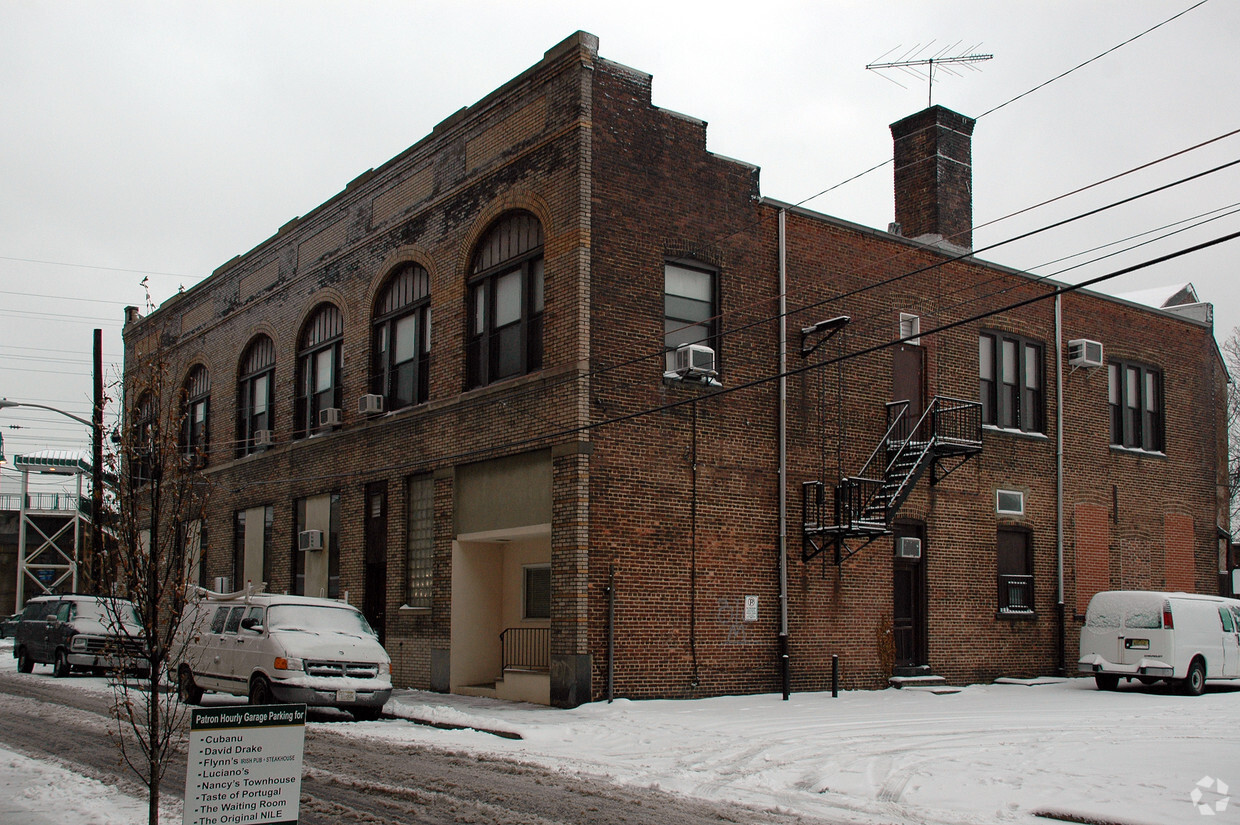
(946, 435)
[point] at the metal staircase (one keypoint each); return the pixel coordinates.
(946, 435)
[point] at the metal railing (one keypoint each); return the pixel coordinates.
(1015, 594)
(528, 648)
(46, 502)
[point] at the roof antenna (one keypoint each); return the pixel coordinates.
(912, 61)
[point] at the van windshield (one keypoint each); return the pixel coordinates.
(318, 619)
(108, 614)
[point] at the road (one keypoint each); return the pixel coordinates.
(349, 779)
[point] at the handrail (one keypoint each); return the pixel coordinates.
(525, 647)
(882, 443)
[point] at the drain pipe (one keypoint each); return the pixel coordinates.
(1059, 607)
(784, 669)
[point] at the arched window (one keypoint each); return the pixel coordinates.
(506, 301)
(195, 400)
(319, 364)
(401, 342)
(254, 385)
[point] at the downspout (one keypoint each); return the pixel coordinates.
(784, 671)
(1059, 607)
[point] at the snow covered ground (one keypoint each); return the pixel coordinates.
(989, 754)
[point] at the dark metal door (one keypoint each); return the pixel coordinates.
(906, 380)
(909, 603)
(374, 603)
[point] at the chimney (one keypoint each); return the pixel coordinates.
(934, 177)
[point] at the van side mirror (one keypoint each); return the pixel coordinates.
(252, 623)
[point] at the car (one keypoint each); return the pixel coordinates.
(78, 632)
(8, 626)
(280, 649)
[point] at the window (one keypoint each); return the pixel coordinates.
(421, 563)
(1010, 382)
(331, 546)
(1135, 397)
(690, 309)
(1015, 564)
(239, 576)
(537, 592)
(401, 342)
(195, 398)
(1009, 502)
(254, 387)
(505, 306)
(910, 328)
(319, 364)
(142, 440)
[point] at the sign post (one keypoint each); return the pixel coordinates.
(244, 765)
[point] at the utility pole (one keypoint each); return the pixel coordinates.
(94, 566)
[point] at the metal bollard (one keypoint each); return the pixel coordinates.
(835, 675)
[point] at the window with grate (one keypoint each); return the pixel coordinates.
(319, 367)
(538, 591)
(401, 338)
(421, 551)
(254, 385)
(505, 302)
(1014, 551)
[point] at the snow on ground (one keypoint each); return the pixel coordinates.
(988, 754)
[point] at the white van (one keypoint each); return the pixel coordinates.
(272, 648)
(1148, 636)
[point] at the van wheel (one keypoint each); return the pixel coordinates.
(61, 667)
(1106, 681)
(260, 691)
(187, 689)
(24, 663)
(1195, 682)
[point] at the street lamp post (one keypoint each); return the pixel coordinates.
(96, 477)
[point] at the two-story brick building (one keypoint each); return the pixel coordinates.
(451, 394)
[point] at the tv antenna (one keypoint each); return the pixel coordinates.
(914, 62)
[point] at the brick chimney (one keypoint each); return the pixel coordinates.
(934, 177)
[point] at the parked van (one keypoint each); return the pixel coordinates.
(288, 649)
(73, 632)
(1148, 636)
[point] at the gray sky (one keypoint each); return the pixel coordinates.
(162, 138)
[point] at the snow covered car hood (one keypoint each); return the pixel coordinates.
(329, 646)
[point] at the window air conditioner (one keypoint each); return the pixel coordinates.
(1084, 353)
(329, 417)
(908, 548)
(695, 361)
(310, 540)
(369, 404)
(263, 438)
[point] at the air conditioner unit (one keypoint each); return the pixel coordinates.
(1084, 353)
(310, 540)
(329, 417)
(222, 584)
(695, 361)
(908, 547)
(263, 438)
(368, 404)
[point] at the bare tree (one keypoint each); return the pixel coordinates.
(160, 502)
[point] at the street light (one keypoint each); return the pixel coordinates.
(96, 474)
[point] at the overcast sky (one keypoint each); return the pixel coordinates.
(162, 138)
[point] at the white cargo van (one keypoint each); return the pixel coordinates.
(1148, 636)
(272, 648)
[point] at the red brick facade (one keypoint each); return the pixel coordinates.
(669, 490)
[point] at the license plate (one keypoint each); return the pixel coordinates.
(346, 696)
(1137, 644)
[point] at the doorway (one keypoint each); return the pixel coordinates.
(908, 613)
(374, 601)
(907, 384)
